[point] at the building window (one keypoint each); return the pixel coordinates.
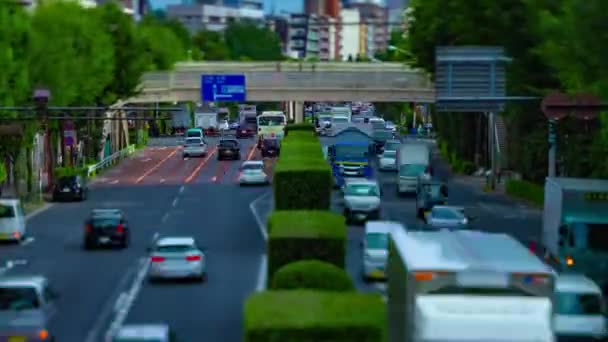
(215, 20)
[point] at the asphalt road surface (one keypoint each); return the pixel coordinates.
(161, 194)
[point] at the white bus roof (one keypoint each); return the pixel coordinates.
(273, 112)
(488, 319)
(465, 250)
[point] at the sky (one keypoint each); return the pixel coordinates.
(291, 6)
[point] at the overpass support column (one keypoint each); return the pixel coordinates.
(299, 111)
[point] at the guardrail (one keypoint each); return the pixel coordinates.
(109, 160)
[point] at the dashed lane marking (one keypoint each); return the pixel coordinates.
(114, 181)
(162, 180)
(200, 166)
(165, 218)
(263, 267)
(27, 241)
(174, 204)
(181, 189)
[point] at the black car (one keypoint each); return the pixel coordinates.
(106, 227)
(228, 148)
(271, 147)
(245, 131)
(73, 188)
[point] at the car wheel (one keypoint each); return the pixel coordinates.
(185, 156)
(203, 278)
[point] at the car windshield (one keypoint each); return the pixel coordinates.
(104, 222)
(7, 211)
(445, 214)
(376, 240)
(411, 170)
(66, 181)
(193, 141)
(389, 154)
(361, 190)
(174, 248)
(253, 167)
(271, 120)
(228, 143)
(351, 151)
(578, 304)
(18, 298)
(270, 142)
(193, 133)
(591, 236)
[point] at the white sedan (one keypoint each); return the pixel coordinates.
(177, 257)
(252, 172)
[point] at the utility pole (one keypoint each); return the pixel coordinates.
(492, 150)
(552, 139)
(41, 100)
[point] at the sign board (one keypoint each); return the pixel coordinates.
(69, 133)
(470, 79)
(223, 88)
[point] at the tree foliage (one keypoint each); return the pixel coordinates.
(248, 41)
(554, 45)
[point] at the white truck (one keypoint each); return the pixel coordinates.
(413, 161)
(342, 112)
(467, 286)
(205, 120)
(575, 225)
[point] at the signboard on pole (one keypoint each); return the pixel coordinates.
(69, 133)
(223, 88)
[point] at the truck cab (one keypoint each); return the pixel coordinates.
(575, 225)
(429, 193)
(349, 159)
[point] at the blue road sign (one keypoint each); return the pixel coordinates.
(223, 88)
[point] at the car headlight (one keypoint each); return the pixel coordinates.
(465, 221)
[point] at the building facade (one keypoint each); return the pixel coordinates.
(350, 19)
(376, 17)
(212, 17)
(328, 14)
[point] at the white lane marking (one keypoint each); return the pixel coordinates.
(114, 181)
(155, 236)
(162, 180)
(27, 241)
(108, 309)
(145, 160)
(165, 217)
(186, 158)
(257, 216)
(11, 264)
(263, 268)
(122, 314)
(181, 189)
(36, 212)
(174, 204)
(121, 301)
(262, 274)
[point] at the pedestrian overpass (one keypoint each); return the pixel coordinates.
(294, 82)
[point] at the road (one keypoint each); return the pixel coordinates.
(160, 193)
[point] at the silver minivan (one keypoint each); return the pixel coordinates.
(12, 220)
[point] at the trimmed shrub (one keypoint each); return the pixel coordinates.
(301, 127)
(305, 235)
(71, 171)
(305, 315)
(302, 184)
(525, 190)
(312, 274)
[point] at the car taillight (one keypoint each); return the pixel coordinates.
(193, 258)
(157, 259)
(120, 228)
(88, 228)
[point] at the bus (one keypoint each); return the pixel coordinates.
(467, 286)
(271, 124)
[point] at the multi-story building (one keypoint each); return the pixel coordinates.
(375, 15)
(215, 17)
(328, 13)
(350, 20)
(297, 36)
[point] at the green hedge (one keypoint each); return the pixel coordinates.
(305, 235)
(528, 191)
(70, 171)
(302, 127)
(312, 274)
(302, 183)
(305, 315)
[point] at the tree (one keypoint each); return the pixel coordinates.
(161, 46)
(255, 43)
(130, 61)
(211, 45)
(70, 53)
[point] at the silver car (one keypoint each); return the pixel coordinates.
(361, 199)
(144, 333)
(177, 257)
(388, 161)
(194, 147)
(443, 216)
(252, 172)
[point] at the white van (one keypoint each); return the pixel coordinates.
(579, 308)
(12, 220)
(375, 248)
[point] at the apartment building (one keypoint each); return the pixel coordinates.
(330, 35)
(350, 19)
(373, 15)
(216, 15)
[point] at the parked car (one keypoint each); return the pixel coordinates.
(73, 188)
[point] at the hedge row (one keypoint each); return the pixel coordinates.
(305, 235)
(305, 315)
(302, 179)
(525, 190)
(312, 274)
